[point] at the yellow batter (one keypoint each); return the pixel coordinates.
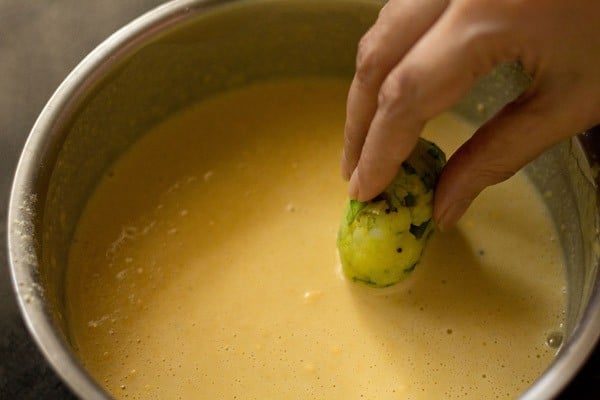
(205, 267)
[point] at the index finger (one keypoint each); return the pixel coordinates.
(437, 71)
(399, 25)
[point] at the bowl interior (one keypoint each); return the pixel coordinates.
(188, 50)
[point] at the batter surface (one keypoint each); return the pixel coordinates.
(205, 266)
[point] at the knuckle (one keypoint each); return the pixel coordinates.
(489, 166)
(388, 98)
(491, 175)
(367, 59)
(477, 37)
(398, 92)
(487, 45)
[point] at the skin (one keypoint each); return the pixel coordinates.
(421, 56)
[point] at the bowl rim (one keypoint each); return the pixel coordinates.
(22, 258)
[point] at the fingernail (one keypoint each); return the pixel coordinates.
(453, 214)
(353, 186)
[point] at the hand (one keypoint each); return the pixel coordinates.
(421, 56)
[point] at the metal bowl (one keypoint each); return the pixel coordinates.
(187, 50)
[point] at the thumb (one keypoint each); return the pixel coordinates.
(502, 146)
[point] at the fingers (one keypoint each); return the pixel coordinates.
(398, 88)
(514, 137)
(433, 75)
(400, 24)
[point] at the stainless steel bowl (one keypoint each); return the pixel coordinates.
(187, 50)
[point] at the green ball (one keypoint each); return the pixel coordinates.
(381, 241)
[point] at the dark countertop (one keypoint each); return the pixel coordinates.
(40, 42)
